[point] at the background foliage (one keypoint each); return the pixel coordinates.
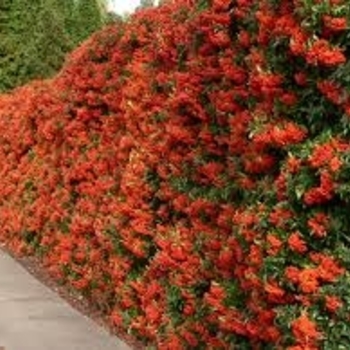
(35, 36)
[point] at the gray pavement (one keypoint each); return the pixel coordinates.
(32, 317)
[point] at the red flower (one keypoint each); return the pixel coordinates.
(293, 164)
(292, 274)
(321, 194)
(274, 244)
(333, 303)
(321, 53)
(153, 313)
(225, 259)
(296, 243)
(275, 294)
(318, 225)
(305, 331)
(331, 91)
(116, 318)
(335, 24)
(308, 280)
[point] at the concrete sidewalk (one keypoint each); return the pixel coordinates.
(32, 317)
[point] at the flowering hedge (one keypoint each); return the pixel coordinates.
(188, 172)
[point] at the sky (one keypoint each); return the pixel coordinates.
(123, 6)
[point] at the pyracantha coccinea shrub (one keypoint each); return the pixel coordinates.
(188, 172)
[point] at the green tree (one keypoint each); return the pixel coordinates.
(146, 3)
(85, 17)
(112, 17)
(35, 36)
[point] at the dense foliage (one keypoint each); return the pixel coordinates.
(188, 172)
(35, 36)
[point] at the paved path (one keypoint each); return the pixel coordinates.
(32, 317)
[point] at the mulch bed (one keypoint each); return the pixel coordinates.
(33, 265)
